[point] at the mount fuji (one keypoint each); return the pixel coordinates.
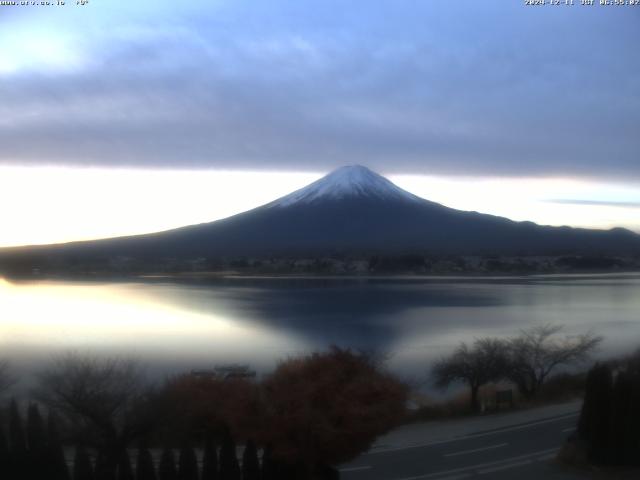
(352, 210)
(347, 182)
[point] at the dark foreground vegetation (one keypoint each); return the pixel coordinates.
(608, 431)
(99, 419)
(310, 414)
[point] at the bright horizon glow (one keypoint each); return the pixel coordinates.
(115, 317)
(42, 205)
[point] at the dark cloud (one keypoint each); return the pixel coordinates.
(470, 88)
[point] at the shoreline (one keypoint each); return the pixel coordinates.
(405, 277)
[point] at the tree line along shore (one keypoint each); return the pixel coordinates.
(105, 421)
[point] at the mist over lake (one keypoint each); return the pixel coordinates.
(176, 325)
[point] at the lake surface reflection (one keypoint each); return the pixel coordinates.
(177, 325)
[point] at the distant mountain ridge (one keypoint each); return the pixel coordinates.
(352, 210)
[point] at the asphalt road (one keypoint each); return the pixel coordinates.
(519, 452)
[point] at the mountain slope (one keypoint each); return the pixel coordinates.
(351, 210)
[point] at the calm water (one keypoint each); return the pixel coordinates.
(178, 325)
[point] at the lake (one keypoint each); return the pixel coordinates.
(175, 325)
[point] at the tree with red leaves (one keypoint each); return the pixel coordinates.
(327, 408)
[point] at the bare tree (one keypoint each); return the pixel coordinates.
(104, 400)
(485, 361)
(537, 351)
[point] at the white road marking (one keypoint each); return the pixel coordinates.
(504, 467)
(549, 456)
(356, 469)
(456, 477)
(473, 435)
(471, 468)
(464, 452)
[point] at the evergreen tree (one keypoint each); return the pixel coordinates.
(19, 466)
(17, 439)
(82, 468)
(620, 438)
(328, 473)
(36, 436)
(38, 459)
(250, 462)
(268, 471)
(4, 448)
(104, 469)
(58, 469)
(210, 460)
(274, 469)
(229, 467)
(124, 467)
(594, 422)
(633, 421)
(144, 465)
(187, 464)
(5, 459)
(167, 470)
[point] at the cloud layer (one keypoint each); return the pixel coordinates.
(474, 88)
(596, 203)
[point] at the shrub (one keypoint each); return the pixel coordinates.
(326, 408)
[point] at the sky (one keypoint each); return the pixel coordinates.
(122, 117)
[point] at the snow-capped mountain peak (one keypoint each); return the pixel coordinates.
(347, 182)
